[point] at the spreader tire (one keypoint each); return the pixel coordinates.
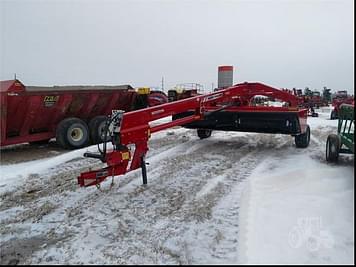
(97, 129)
(204, 133)
(72, 133)
(332, 148)
(302, 140)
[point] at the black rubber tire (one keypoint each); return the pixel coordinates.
(96, 128)
(72, 133)
(332, 148)
(333, 115)
(303, 140)
(204, 133)
(40, 142)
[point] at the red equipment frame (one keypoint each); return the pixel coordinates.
(337, 102)
(134, 126)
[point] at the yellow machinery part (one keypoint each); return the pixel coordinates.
(143, 90)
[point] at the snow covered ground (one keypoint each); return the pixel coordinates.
(231, 198)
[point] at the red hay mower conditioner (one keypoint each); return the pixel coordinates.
(229, 109)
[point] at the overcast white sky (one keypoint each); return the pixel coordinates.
(280, 43)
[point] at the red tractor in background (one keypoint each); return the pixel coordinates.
(340, 97)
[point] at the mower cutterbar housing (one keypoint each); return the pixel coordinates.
(245, 120)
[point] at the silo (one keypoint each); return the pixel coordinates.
(225, 76)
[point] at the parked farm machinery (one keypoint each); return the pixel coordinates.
(75, 115)
(311, 100)
(343, 141)
(229, 109)
(341, 97)
(184, 90)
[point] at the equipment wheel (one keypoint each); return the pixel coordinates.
(97, 129)
(303, 140)
(72, 133)
(204, 133)
(333, 115)
(332, 148)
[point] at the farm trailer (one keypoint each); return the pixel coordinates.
(343, 141)
(75, 115)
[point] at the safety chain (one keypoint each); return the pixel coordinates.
(98, 186)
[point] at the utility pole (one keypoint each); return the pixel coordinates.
(162, 83)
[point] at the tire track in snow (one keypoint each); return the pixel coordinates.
(159, 217)
(317, 145)
(115, 226)
(223, 231)
(51, 198)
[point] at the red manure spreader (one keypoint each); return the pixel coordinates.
(75, 115)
